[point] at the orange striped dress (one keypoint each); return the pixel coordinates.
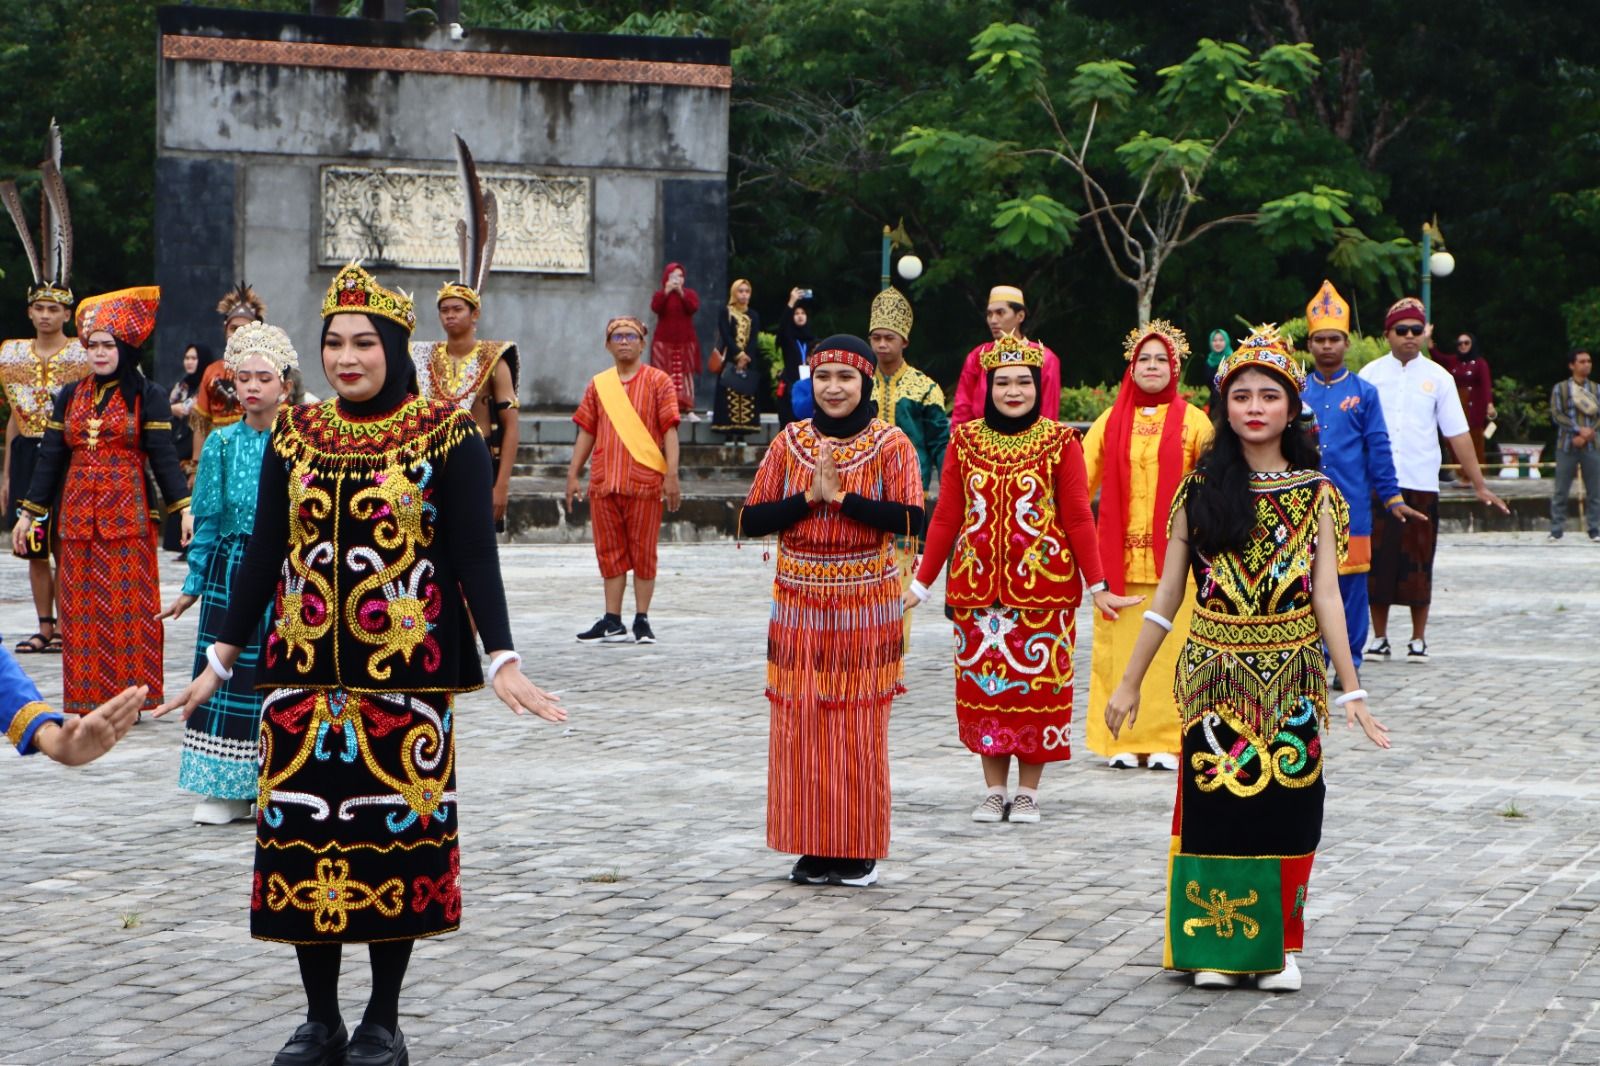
(834, 646)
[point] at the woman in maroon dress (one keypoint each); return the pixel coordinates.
(676, 348)
(1473, 381)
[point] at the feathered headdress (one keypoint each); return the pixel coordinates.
(242, 302)
(52, 273)
(480, 219)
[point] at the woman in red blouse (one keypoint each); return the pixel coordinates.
(1014, 507)
(676, 348)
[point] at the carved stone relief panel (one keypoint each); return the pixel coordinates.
(406, 217)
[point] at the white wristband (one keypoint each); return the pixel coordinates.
(1098, 586)
(216, 663)
(1160, 620)
(1348, 697)
(920, 591)
(500, 660)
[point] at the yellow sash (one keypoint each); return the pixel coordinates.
(626, 421)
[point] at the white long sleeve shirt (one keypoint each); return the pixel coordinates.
(1420, 402)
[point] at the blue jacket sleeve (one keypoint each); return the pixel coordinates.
(1380, 458)
(22, 712)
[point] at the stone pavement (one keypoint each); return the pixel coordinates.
(621, 906)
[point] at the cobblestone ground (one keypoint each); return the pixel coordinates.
(621, 905)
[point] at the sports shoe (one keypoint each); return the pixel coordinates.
(857, 873)
(220, 811)
(810, 870)
(1288, 980)
(642, 633)
(1594, 538)
(1416, 651)
(373, 1045)
(1125, 760)
(609, 630)
(313, 1045)
(1213, 979)
(992, 809)
(1163, 760)
(1380, 649)
(1554, 538)
(1024, 808)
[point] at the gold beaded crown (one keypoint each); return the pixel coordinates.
(1176, 342)
(891, 311)
(1263, 348)
(456, 290)
(259, 339)
(355, 291)
(1012, 350)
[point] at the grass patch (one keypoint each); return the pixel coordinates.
(1511, 810)
(130, 920)
(609, 877)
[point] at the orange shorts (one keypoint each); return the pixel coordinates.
(625, 532)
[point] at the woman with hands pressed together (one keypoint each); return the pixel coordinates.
(1013, 519)
(373, 520)
(1262, 530)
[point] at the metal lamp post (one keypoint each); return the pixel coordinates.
(1435, 264)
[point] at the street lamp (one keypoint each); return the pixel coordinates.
(910, 266)
(1435, 264)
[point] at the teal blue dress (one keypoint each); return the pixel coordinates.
(219, 744)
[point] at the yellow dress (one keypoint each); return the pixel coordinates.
(1156, 728)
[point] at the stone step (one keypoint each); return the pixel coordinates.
(558, 428)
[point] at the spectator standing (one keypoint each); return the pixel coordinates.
(795, 341)
(740, 369)
(1007, 312)
(676, 348)
(1575, 409)
(1474, 385)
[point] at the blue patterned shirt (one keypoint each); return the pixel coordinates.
(224, 503)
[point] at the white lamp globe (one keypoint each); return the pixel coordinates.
(1442, 264)
(910, 267)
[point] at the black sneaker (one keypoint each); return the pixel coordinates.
(609, 630)
(858, 873)
(1416, 651)
(642, 633)
(1380, 649)
(313, 1045)
(810, 870)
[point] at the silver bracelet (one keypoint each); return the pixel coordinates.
(216, 663)
(501, 660)
(1348, 697)
(1160, 620)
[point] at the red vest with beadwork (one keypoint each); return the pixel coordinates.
(1011, 549)
(367, 599)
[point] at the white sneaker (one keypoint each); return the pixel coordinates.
(1163, 760)
(1125, 760)
(1024, 808)
(992, 809)
(221, 811)
(1288, 980)
(1213, 979)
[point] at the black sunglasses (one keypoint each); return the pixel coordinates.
(1409, 331)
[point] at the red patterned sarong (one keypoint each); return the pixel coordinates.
(1014, 682)
(110, 595)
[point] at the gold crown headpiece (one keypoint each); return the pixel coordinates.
(456, 290)
(355, 291)
(891, 311)
(259, 339)
(1263, 348)
(1012, 350)
(1176, 342)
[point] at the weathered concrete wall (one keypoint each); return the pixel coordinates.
(245, 126)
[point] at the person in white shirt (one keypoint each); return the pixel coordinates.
(1420, 403)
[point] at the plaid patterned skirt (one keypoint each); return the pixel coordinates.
(220, 741)
(110, 595)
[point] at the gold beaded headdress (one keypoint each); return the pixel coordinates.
(1176, 342)
(1263, 348)
(475, 229)
(1012, 350)
(52, 272)
(355, 291)
(891, 311)
(259, 339)
(1327, 310)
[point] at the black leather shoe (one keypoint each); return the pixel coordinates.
(373, 1045)
(313, 1045)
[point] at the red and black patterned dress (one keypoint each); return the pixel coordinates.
(368, 533)
(1013, 519)
(95, 450)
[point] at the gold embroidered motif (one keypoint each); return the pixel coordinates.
(333, 894)
(1221, 912)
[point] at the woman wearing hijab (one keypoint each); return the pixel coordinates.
(103, 432)
(196, 357)
(1218, 347)
(1475, 385)
(740, 369)
(795, 341)
(374, 519)
(1136, 454)
(837, 488)
(676, 348)
(1013, 519)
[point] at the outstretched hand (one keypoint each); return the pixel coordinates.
(1355, 712)
(1122, 707)
(202, 688)
(524, 697)
(1109, 603)
(86, 738)
(177, 607)
(1407, 513)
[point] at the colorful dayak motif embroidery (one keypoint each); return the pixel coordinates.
(32, 382)
(333, 894)
(1221, 912)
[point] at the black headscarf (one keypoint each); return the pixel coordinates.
(1003, 423)
(204, 357)
(1472, 348)
(846, 426)
(399, 372)
(127, 375)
